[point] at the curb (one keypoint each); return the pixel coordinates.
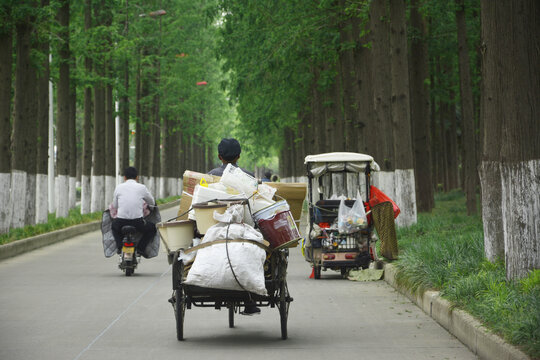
(467, 329)
(22, 246)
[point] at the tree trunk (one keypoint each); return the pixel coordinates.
(86, 171)
(452, 143)
(363, 63)
(155, 144)
(6, 59)
(510, 108)
(63, 117)
(467, 111)
(145, 131)
(110, 108)
(42, 191)
(24, 129)
(401, 116)
(349, 83)
(138, 118)
(420, 116)
(384, 152)
(110, 138)
(73, 156)
(124, 107)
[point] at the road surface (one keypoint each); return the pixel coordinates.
(68, 302)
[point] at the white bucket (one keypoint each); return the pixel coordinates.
(271, 211)
(176, 234)
(204, 215)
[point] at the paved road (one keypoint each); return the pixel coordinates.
(67, 301)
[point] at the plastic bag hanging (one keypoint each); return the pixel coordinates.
(352, 219)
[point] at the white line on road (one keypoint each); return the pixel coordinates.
(121, 314)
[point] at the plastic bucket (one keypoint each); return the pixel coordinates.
(176, 234)
(204, 214)
(277, 225)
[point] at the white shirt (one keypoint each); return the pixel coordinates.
(129, 198)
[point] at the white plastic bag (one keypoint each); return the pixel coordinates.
(232, 266)
(236, 178)
(352, 219)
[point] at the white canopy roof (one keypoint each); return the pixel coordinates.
(340, 161)
(338, 157)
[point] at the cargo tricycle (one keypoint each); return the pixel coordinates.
(185, 296)
(333, 177)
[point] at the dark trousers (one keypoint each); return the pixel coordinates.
(147, 229)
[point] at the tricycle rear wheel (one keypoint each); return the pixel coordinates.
(283, 308)
(179, 310)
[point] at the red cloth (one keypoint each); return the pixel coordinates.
(376, 196)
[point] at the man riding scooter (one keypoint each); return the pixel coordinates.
(129, 198)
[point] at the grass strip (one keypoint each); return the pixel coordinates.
(53, 223)
(445, 251)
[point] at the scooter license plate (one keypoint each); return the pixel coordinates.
(128, 250)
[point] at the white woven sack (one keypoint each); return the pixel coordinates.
(211, 268)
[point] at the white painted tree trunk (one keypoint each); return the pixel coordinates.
(173, 187)
(86, 194)
(521, 216)
(405, 197)
(490, 180)
(30, 200)
(110, 185)
(168, 187)
(338, 185)
(5, 200)
(72, 192)
(362, 186)
(42, 198)
(18, 198)
(62, 207)
(286, 180)
(98, 193)
(180, 187)
(157, 188)
(385, 181)
(352, 185)
(163, 188)
(327, 186)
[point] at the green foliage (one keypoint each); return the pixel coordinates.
(445, 251)
(272, 49)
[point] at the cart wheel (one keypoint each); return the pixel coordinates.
(231, 315)
(283, 308)
(317, 272)
(129, 271)
(179, 310)
(344, 272)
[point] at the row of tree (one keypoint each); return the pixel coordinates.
(126, 83)
(413, 84)
(378, 77)
(432, 89)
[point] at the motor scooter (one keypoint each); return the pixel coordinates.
(129, 257)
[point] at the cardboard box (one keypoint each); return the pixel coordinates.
(294, 193)
(190, 179)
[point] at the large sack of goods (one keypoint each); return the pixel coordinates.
(230, 265)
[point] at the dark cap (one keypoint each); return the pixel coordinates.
(229, 149)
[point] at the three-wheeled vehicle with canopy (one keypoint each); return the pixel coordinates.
(334, 179)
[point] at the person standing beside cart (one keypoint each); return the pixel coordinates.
(229, 152)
